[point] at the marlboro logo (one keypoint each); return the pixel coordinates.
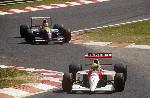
(98, 55)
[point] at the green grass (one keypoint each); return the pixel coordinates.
(4, 73)
(23, 5)
(12, 77)
(138, 33)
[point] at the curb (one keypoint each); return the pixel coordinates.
(109, 44)
(51, 81)
(12, 2)
(74, 34)
(49, 6)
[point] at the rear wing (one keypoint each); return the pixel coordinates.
(40, 18)
(98, 55)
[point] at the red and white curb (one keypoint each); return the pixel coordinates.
(51, 80)
(49, 6)
(138, 46)
(110, 44)
(107, 44)
(106, 26)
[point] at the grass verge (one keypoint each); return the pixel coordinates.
(12, 77)
(138, 33)
(36, 3)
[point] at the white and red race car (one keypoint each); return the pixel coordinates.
(95, 79)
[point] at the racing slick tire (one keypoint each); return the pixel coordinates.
(73, 68)
(30, 38)
(65, 33)
(119, 82)
(67, 82)
(120, 68)
(23, 30)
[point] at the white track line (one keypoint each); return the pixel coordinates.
(33, 8)
(4, 13)
(88, 2)
(46, 7)
(61, 5)
(129, 22)
(138, 46)
(17, 11)
(3, 66)
(28, 69)
(98, 43)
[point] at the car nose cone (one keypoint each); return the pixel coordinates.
(93, 80)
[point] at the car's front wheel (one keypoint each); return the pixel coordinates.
(65, 33)
(119, 82)
(30, 38)
(67, 82)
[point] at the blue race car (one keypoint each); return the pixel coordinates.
(42, 30)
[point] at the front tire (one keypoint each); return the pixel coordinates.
(65, 33)
(30, 38)
(119, 82)
(67, 82)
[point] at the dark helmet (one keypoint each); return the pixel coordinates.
(45, 23)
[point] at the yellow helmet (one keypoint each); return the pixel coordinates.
(94, 64)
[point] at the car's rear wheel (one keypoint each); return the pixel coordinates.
(65, 33)
(74, 68)
(67, 82)
(23, 30)
(119, 82)
(120, 68)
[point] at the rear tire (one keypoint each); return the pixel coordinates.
(73, 68)
(119, 82)
(120, 68)
(67, 82)
(23, 30)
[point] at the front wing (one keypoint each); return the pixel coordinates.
(77, 87)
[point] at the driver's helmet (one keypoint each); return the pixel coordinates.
(45, 23)
(94, 64)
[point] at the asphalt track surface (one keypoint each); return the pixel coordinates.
(14, 50)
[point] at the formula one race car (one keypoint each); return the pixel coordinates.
(96, 78)
(41, 30)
